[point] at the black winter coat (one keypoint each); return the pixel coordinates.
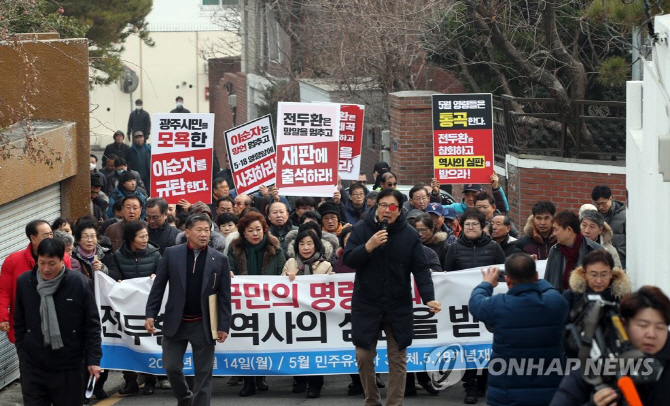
(78, 320)
(382, 286)
(138, 264)
(163, 236)
(105, 256)
(139, 120)
(466, 253)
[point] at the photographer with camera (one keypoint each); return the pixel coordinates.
(646, 316)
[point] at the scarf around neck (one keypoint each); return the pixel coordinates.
(306, 266)
(255, 256)
(48, 316)
(571, 256)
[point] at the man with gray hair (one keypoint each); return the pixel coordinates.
(500, 228)
(593, 226)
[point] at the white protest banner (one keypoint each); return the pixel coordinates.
(252, 154)
(307, 148)
(181, 157)
(302, 327)
(351, 140)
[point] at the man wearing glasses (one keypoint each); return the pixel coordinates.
(386, 252)
(160, 232)
(132, 207)
(356, 207)
(614, 212)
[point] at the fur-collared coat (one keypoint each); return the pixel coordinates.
(323, 266)
(620, 286)
(605, 239)
(440, 245)
(273, 257)
(328, 240)
(532, 243)
(216, 240)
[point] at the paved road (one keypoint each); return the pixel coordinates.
(334, 393)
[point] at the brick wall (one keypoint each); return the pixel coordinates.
(224, 113)
(567, 189)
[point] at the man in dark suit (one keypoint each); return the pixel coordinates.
(195, 271)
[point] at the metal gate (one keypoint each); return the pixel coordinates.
(43, 204)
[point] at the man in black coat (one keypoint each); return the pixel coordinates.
(118, 148)
(195, 272)
(57, 329)
(139, 120)
(160, 232)
(386, 252)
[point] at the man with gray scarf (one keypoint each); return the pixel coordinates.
(57, 328)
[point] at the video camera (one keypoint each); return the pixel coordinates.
(597, 335)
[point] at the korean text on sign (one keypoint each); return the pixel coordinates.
(252, 154)
(351, 138)
(462, 138)
(308, 148)
(181, 159)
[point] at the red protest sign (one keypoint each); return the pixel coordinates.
(351, 138)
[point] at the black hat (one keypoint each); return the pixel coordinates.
(472, 188)
(382, 167)
(329, 207)
(96, 180)
(126, 176)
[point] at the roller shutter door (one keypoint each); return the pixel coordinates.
(43, 204)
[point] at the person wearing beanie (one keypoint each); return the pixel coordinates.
(380, 168)
(99, 200)
(330, 218)
(127, 186)
(594, 227)
(117, 148)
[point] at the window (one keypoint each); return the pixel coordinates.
(210, 2)
(220, 2)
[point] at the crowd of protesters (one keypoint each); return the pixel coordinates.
(265, 233)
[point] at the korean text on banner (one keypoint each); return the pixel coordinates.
(279, 327)
(252, 155)
(351, 139)
(463, 137)
(307, 148)
(181, 159)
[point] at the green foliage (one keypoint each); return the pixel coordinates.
(613, 71)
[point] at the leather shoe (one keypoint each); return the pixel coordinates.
(261, 385)
(409, 392)
(130, 388)
(314, 393)
(429, 388)
(149, 388)
(380, 383)
(185, 402)
(100, 394)
(299, 387)
(355, 390)
(249, 388)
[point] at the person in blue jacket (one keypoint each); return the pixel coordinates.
(471, 190)
(527, 324)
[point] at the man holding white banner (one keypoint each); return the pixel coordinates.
(197, 310)
(386, 252)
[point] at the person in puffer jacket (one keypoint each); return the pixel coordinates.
(473, 248)
(137, 258)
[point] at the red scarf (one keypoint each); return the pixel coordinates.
(571, 256)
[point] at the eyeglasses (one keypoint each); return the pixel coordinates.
(392, 184)
(420, 199)
(471, 225)
(598, 276)
(88, 237)
(422, 230)
(358, 194)
(386, 206)
(601, 204)
(154, 218)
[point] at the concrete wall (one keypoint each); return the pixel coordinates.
(57, 91)
(648, 239)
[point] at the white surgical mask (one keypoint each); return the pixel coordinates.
(179, 105)
(91, 166)
(138, 107)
